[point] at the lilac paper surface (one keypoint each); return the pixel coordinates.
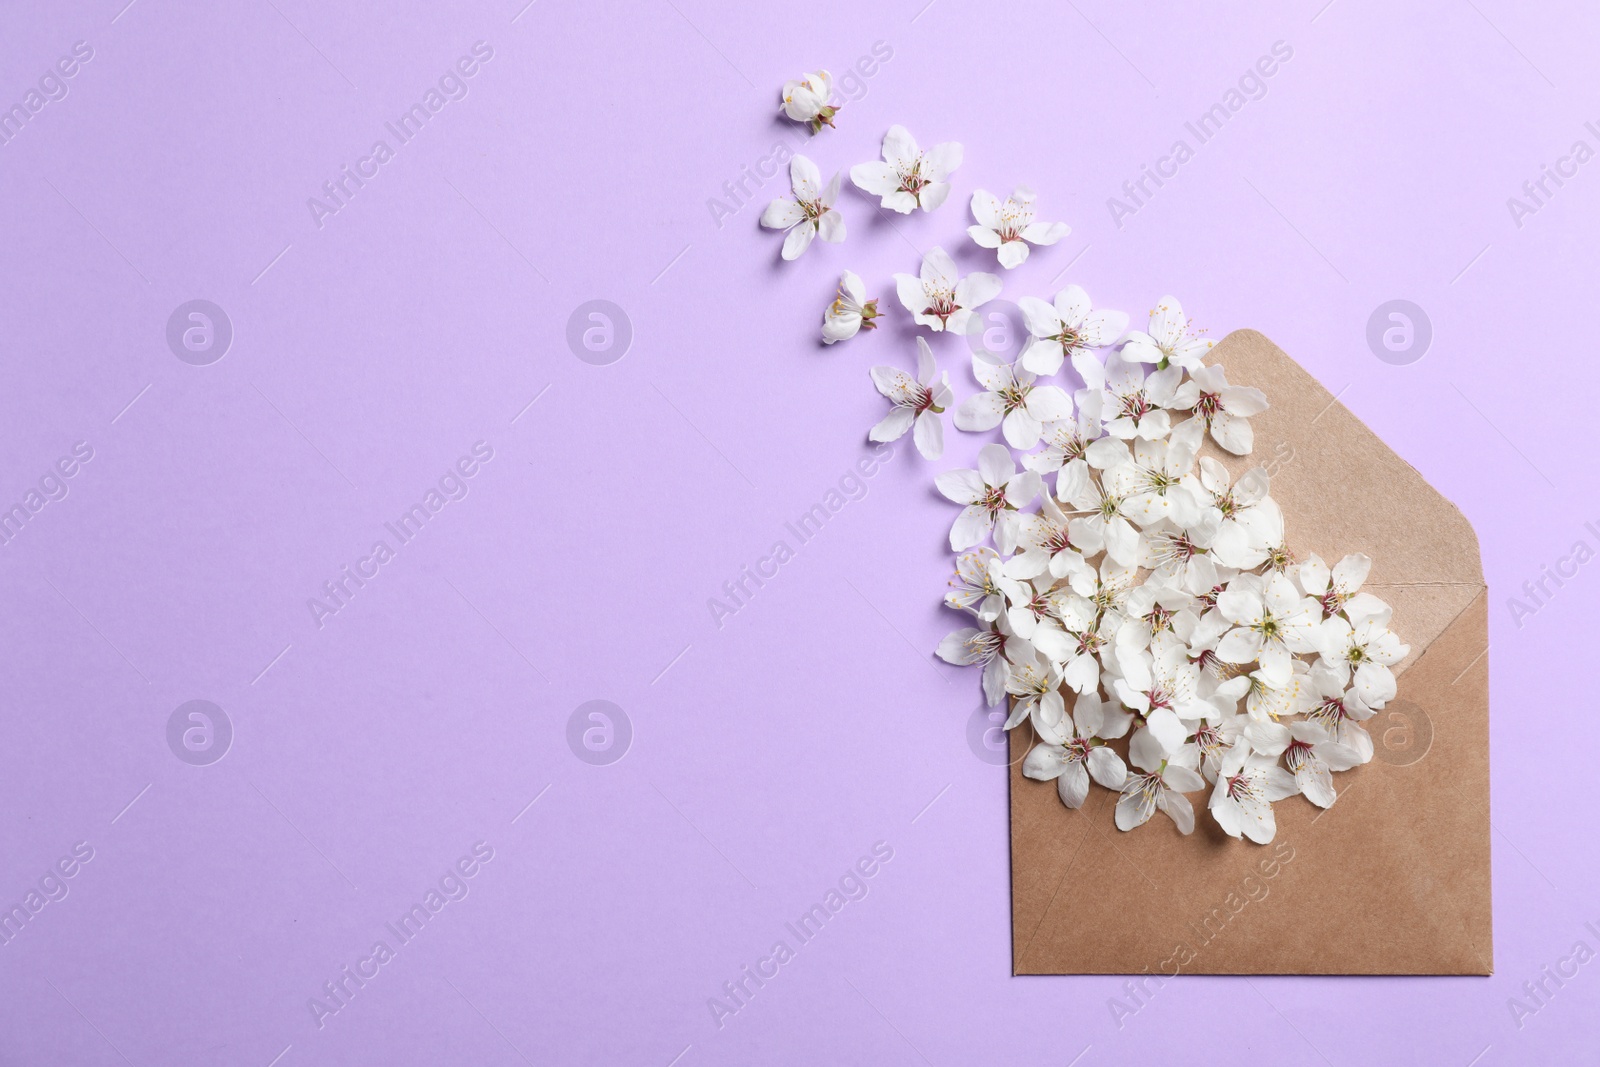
(743, 764)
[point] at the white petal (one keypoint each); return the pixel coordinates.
(986, 209)
(1045, 233)
(971, 527)
(1013, 254)
(1107, 767)
(798, 240)
(1073, 785)
(892, 426)
(913, 295)
(1351, 571)
(831, 227)
(983, 237)
(1134, 809)
(962, 486)
(977, 289)
(899, 147)
(1178, 808)
(900, 200)
(929, 435)
(805, 178)
(941, 161)
(781, 214)
(995, 464)
(879, 179)
(933, 195)
(938, 269)
(956, 647)
(1021, 429)
(1044, 762)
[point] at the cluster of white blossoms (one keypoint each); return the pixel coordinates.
(907, 179)
(1131, 596)
(1147, 588)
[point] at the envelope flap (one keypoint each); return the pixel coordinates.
(1343, 490)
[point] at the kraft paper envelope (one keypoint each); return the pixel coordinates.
(1394, 877)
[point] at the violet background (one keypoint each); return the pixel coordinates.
(769, 753)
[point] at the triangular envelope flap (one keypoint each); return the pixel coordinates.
(1343, 490)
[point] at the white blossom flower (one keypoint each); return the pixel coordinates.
(986, 493)
(1161, 785)
(1248, 520)
(808, 100)
(991, 647)
(941, 301)
(1168, 341)
(975, 587)
(850, 312)
(1154, 609)
(1050, 542)
(1071, 326)
(1012, 401)
(1081, 643)
(1104, 499)
(1223, 409)
(1341, 713)
(1032, 603)
(1035, 686)
(1272, 622)
(1268, 698)
(1067, 441)
(1361, 653)
(1071, 753)
(918, 402)
(1179, 555)
(1310, 755)
(1155, 477)
(1336, 592)
(1009, 227)
(909, 178)
(1161, 688)
(1246, 789)
(809, 214)
(1132, 404)
(1213, 740)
